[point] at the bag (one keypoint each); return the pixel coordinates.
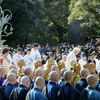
(28, 96)
(45, 91)
(2, 93)
(60, 95)
(13, 95)
(84, 95)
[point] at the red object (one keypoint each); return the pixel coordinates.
(1, 60)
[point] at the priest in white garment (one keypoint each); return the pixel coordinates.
(9, 58)
(28, 59)
(83, 60)
(72, 56)
(4, 61)
(17, 57)
(98, 66)
(35, 53)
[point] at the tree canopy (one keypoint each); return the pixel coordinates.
(27, 15)
(89, 12)
(38, 20)
(49, 20)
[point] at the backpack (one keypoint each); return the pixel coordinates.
(13, 95)
(2, 93)
(60, 95)
(84, 95)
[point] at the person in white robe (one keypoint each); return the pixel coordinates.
(17, 57)
(10, 59)
(83, 60)
(8, 56)
(72, 56)
(35, 53)
(98, 66)
(1, 51)
(28, 59)
(4, 61)
(95, 58)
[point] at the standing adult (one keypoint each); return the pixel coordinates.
(11, 77)
(62, 63)
(83, 60)
(36, 92)
(17, 57)
(4, 61)
(35, 53)
(50, 62)
(72, 56)
(28, 59)
(82, 83)
(52, 87)
(2, 75)
(69, 92)
(93, 94)
(23, 88)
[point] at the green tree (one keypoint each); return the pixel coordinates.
(38, 21)
(89, 12)
(26, 17)
(56, 13)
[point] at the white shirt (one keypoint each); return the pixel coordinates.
(70, 56)
(16, 58)
(9, 58)
(96, 60)
(5, 63)
(98, 65)
(29, 61)
(36, 55)
(82, 62)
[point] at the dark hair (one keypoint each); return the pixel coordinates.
(94, 53)
(35, 45)
(83, 54)
(51, 54)
(28, 49)
(5, 50)
(19, 49)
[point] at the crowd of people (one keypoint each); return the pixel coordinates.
(62, 72)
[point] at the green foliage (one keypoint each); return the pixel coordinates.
(26, 18)
(89, 12)
(38, 21)
(56, 13)
(47, 20)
